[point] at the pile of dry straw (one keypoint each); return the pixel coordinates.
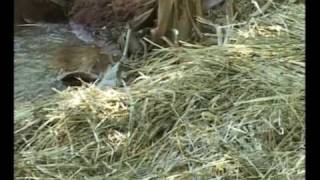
(218, 112)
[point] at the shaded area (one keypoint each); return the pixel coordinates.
(33, 11)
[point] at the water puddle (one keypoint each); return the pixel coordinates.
(34, 46)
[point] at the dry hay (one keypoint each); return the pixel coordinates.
(239, 10)
(232, 112)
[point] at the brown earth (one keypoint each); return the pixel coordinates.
(33, 11)
(104, 12)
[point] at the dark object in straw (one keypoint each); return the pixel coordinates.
(78, 78)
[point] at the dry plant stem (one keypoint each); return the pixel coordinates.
(27, 25)
(152, 43)
(112, 77)
(262, 9)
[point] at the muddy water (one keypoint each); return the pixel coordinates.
(33, 48)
